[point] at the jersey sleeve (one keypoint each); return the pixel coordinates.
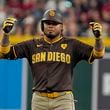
(84, 51)
(19, 50)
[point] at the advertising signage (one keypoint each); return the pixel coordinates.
(101, 84)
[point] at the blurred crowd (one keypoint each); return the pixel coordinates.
(77, 15)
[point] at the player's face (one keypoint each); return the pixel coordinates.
(52, 29)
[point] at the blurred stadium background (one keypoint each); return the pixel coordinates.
(91, 83)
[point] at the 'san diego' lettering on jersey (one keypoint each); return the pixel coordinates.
(51, 56)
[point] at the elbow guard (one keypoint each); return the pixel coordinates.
(4, 49)
(98, 54)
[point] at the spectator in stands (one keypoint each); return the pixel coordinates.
(81, 11)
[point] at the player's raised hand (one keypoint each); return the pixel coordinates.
(96, 28)
(8, 24)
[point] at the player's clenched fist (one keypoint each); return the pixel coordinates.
(96, 28)
(8, 24)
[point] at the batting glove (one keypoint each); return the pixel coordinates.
(8, 25)
(96, 28)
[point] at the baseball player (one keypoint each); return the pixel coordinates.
(52, 59)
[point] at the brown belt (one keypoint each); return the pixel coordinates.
(53, 94)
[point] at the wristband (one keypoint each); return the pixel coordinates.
(7, 34)
(98, 38)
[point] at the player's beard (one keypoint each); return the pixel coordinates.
(50, 35)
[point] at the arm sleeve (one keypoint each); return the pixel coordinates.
(84, 52)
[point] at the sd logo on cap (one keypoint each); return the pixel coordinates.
(52, 13)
